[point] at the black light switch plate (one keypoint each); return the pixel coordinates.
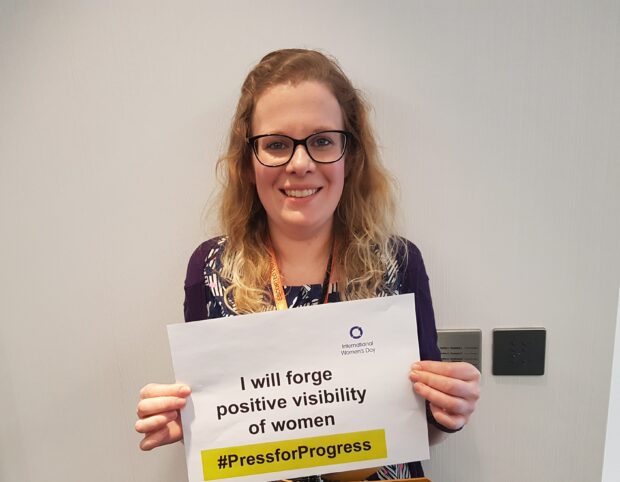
(519, 351)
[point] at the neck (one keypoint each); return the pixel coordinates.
(301, 259)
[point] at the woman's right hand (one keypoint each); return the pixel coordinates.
(158, 414)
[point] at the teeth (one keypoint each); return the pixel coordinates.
(300, 192)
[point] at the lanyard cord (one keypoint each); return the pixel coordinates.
(276, 280)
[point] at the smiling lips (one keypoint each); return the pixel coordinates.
(300, 193)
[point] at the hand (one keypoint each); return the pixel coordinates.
(158, 414)
(452, 388)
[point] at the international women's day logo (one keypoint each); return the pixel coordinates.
(357, 346)
(356, 332)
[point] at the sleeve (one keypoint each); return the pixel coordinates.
(195, 305)
(415, 280)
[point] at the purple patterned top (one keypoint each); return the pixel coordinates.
(204, 289)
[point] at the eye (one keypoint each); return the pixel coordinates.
(275, 144)
(322, 141)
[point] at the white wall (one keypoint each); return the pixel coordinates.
(611, 463)
(500, 120)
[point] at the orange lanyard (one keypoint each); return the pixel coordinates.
(276, 280)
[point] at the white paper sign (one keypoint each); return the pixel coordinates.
(304, 391)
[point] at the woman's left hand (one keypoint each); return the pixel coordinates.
(452, 388)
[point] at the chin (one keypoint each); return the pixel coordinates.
(302, 223)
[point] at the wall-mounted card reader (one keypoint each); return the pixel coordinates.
(519, 351)
(460, 345)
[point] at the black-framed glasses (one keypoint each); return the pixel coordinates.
(273, 150)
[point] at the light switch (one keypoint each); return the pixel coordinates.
(519, 351)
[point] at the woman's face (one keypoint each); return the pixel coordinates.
(300, 197)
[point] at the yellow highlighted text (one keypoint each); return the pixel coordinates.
(294, 454)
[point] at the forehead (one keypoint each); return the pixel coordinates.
(296, 109)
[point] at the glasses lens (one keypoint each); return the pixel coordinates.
(274, 150)
(326, 146)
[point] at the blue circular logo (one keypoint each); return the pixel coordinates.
(356, 332)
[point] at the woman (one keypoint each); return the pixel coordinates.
(307, 212)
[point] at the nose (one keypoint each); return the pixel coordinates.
(301, 162)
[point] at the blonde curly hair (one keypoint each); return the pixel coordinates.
(364, 217)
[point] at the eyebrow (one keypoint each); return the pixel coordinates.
(314, 131)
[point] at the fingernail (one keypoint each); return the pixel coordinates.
(184, 391)
(416, 366)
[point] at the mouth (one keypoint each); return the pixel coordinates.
(300, 193)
